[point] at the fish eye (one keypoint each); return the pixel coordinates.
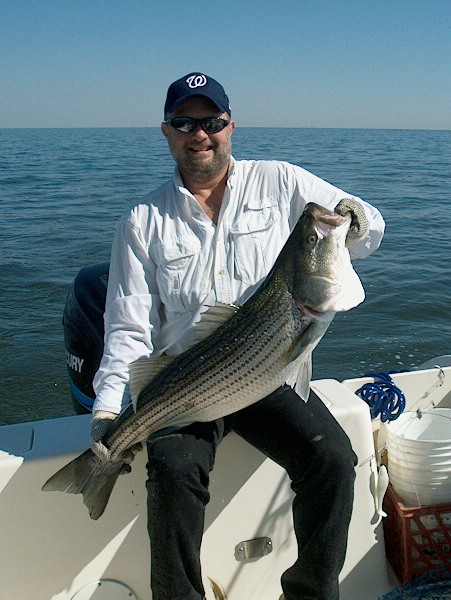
(311, 238)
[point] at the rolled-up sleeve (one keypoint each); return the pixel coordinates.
(131, 316)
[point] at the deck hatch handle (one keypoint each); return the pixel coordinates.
(253, 549)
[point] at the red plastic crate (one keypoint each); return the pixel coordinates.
(417, 539)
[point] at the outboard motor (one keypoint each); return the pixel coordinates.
(83, 332)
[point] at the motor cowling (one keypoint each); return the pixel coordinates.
(84, 332)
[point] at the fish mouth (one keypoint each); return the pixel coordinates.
(307, 309)
(329, 279)
(312, 312)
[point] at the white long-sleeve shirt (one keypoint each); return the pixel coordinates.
(170, 261)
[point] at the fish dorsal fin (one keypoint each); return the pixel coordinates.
(142, 372)
(214, 317)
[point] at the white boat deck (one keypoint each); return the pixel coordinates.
(51, 550)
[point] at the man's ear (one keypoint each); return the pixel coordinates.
(164, 129)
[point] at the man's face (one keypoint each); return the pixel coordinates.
(200, 155)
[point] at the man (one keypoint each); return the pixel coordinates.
(211, 234)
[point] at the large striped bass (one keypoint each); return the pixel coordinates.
(259, 347)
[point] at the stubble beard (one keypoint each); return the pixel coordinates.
(204, 170)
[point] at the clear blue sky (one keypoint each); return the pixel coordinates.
(302, 63)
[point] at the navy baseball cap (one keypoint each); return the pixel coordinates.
(196, 84)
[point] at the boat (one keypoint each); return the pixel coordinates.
(51, 550)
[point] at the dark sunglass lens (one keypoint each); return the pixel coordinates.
(214, 124)
(188, 124)
(184, 124)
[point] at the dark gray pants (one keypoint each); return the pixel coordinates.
(306, 440)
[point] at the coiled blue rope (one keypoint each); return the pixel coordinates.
(383, 397)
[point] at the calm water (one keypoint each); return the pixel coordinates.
(62, 191)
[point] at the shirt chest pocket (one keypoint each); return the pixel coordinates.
(179, 283)
(255, 239)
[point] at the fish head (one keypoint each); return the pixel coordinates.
(324, 279)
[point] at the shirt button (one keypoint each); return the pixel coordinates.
(221, 271)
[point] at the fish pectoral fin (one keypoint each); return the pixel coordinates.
(142, 372)
(304, 343)
(213, 318)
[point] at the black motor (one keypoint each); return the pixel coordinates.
(83, 332)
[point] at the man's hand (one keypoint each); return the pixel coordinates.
(359, 223)
(101, 423)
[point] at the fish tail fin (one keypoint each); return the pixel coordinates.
(90, 476)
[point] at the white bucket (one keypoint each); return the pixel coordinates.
(419, 456)
(420, 461)
(423, 476)
(431, 427)
(420, 495)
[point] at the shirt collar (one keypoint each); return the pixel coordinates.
(178, 181)
(232, 173)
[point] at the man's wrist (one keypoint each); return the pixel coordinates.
(103, 414)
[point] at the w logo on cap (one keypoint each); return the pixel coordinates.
(196, 80)
(196, 84)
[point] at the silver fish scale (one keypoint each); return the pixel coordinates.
(240, 363)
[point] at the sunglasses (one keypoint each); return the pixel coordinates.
(188, 125)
